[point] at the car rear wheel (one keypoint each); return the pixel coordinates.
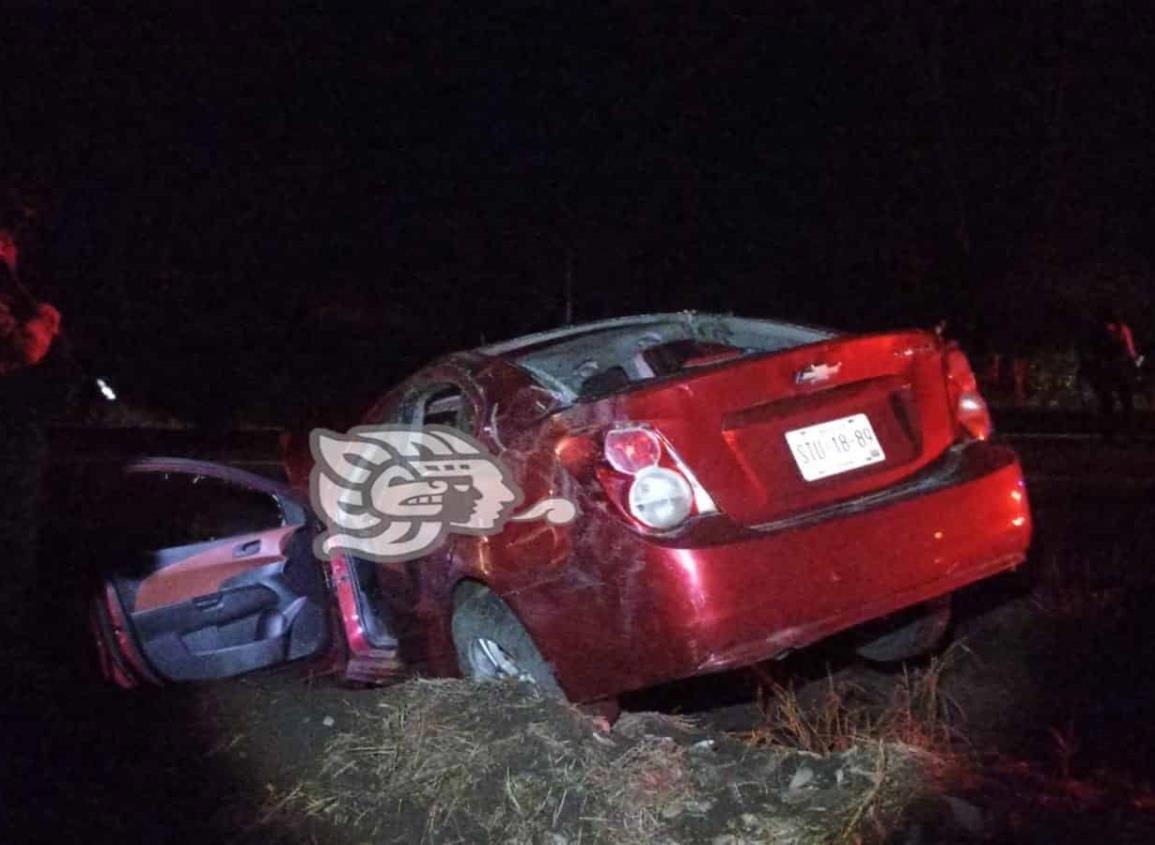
(907, 634)
(492, 644)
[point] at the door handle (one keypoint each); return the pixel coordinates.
(251, 547)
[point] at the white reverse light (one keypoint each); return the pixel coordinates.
(660, 498)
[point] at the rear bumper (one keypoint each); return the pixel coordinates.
(691, 609)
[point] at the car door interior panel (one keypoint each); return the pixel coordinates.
(230, 601)
(202, 568)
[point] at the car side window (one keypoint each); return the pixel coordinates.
(445, 405)
(163, 510)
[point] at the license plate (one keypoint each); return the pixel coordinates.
(835, 446)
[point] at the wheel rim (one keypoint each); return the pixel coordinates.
(491, 662)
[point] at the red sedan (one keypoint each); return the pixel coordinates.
(743, 488)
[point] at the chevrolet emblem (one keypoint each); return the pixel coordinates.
(816, 373)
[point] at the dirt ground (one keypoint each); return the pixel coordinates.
(447, 761)
(1043, 730)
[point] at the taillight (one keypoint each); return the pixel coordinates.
(649, 481)
(970, 409)
(631, 450)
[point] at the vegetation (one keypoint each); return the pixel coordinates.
(448, 761)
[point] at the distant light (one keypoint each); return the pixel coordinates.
(105, 390)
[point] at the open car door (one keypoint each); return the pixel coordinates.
(211, 575)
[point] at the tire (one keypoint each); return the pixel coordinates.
(907, 634)
(492, 644)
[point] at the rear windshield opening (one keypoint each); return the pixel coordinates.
(658, 361)
(603, 358)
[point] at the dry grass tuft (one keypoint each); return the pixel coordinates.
(918, 712)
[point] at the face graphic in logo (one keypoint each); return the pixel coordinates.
(391, 493)
(466, 493)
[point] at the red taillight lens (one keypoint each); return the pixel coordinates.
(970, 409)
(648, 481)
(974, 415)
(631, 450)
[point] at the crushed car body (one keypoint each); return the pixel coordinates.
(743, 488)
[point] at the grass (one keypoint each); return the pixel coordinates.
(1056, 651)
(500, 764)
(918, 712)
(449, 761)
(914, 713)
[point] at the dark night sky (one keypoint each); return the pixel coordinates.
(270, 197)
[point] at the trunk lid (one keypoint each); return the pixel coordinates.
(729, 423)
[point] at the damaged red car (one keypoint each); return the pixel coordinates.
(743, 487)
